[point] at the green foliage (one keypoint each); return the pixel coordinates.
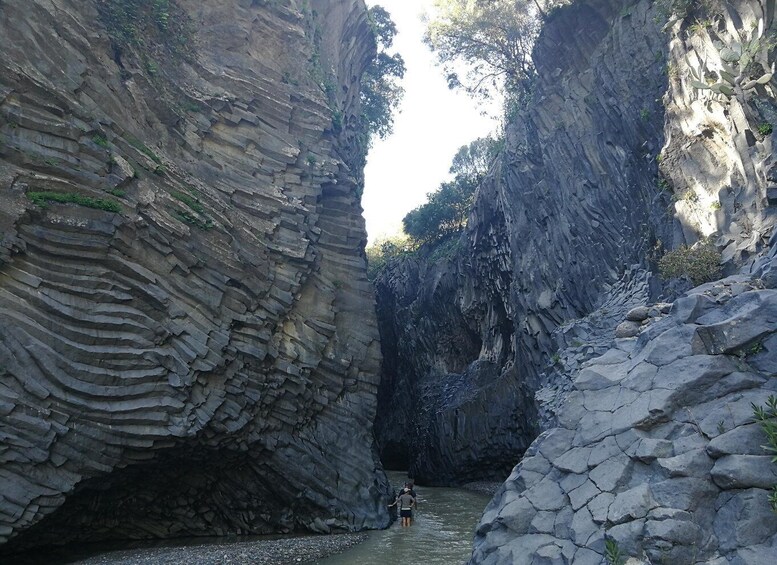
(195, 215)
(444, 213)
(492, 40)
(447, 208)
(472, 161)
(189, 218)
(754, 349)
(700, 26)
(445, 249)
(745, 66)
(147, 25)
(44, 197)
(190, 201)
(140, 146)
(382, 253)
(700, 263)
(765, 128)
(767, 418)
(100, 140)
(644, 114)
(381, 93)
(613, 553)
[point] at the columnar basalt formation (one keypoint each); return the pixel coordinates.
(616, 159)
(187, 337)
(568, 207)
(652, 442)
(656, 447)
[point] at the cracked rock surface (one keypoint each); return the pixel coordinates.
(655, 446)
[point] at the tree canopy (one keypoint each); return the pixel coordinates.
(384, 251)
(491, 39)
(381, 92)
(447, 208)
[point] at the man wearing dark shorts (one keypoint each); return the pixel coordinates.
(406, 502)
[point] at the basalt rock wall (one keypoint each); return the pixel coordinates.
(615, 159)
(653, 454)
(187, 337)
(568, 207)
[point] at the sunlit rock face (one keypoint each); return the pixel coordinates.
(569, 206)
(648, 432)
(616, 159)
(197, 352)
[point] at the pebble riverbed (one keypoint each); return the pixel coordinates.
(284, 551)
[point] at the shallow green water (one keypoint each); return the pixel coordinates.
(441, 533)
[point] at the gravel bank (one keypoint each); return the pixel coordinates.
(284, 551)
(483, 487)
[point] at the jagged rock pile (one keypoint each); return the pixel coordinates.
(656, 446)
(187, 344)
(637, 318)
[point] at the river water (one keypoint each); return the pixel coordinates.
(441, 533)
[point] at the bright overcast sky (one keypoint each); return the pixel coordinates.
(434, 122)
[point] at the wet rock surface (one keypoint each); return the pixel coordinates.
(195, 351)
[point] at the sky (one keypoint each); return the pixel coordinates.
(432, 124)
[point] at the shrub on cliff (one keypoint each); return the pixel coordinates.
(383, 252)
(767, 418)
(147, 25)
(492, 40)
(444, 213)
(381, 92)
(700, 263)
(447, 208)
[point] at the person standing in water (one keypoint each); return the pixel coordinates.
(406, 502)
(411, 490)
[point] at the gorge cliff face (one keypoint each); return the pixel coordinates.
(187, 337)
(570, 204)
(616, 159)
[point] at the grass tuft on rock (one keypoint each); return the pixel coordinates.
(43, 198)
(767, 418)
